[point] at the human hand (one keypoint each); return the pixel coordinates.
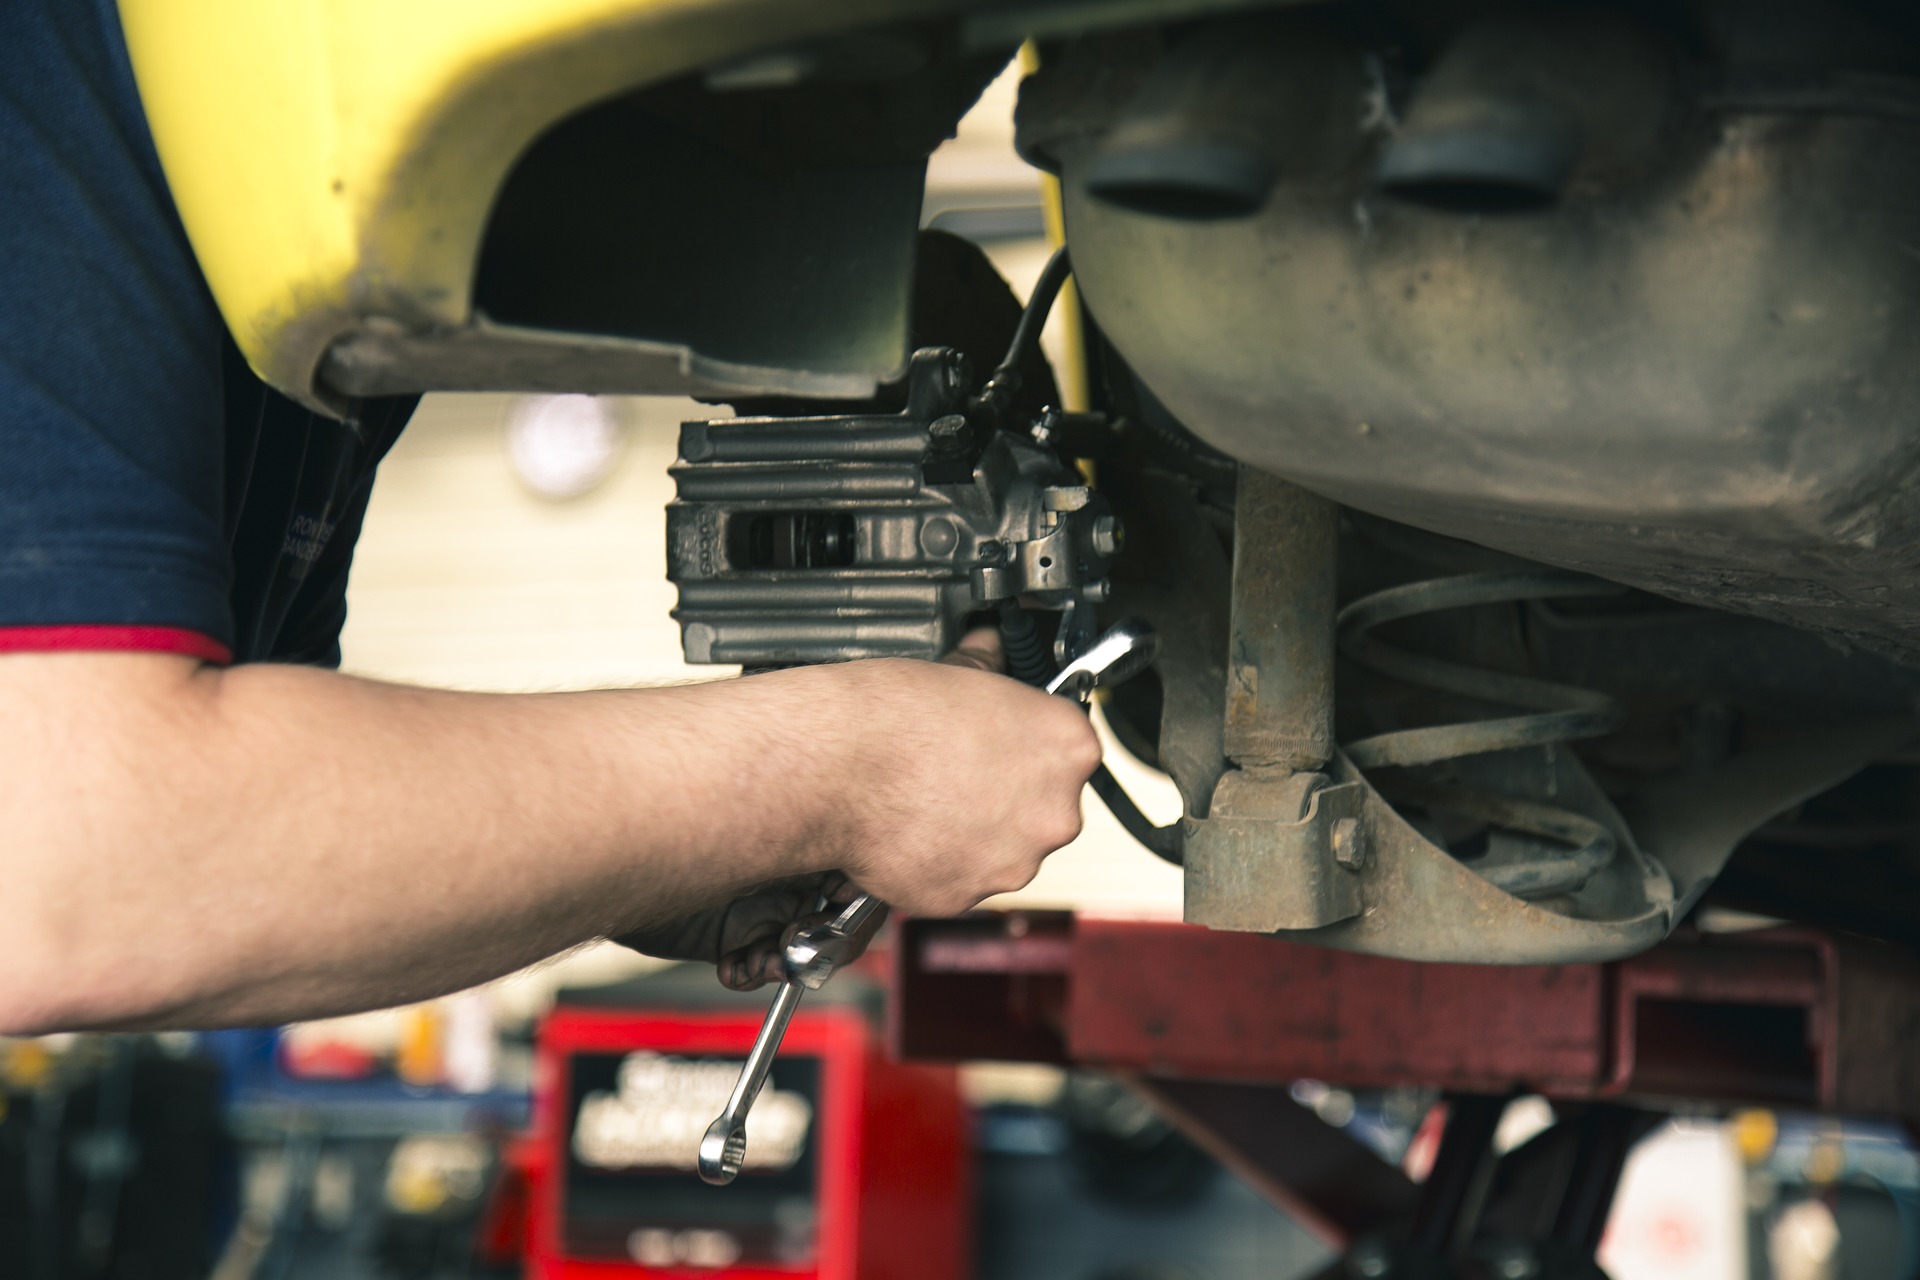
(955, 785)
(744, 939)
(967, 780)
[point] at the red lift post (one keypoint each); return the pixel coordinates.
(1213, 1026)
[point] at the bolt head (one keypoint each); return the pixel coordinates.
(950, 434)
(1349, 843)
(1109, 535)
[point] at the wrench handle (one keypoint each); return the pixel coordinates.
(723, 1150)
(765, 1046)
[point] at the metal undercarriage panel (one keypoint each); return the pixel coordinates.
(1694, 369)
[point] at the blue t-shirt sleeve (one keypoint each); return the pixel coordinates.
(111, 444)
(304, 484)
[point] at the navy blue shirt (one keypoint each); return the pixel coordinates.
(154, 494)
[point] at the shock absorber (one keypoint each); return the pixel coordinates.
(1563, 848)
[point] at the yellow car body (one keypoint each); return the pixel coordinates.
(334, 161)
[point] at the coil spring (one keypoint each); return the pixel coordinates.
(1555, 713)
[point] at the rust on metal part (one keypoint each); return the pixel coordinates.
(1182, 1001)
(1787, 1017)
(1262, 858)
(1280, 660)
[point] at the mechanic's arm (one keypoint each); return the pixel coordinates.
(190, 846)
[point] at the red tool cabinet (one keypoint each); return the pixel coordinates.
(858, 1167)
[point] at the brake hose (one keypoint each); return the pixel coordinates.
(1001, 385)
(1026, 657)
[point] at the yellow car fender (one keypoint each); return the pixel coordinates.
(334, 161)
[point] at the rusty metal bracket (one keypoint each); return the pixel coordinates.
(1277, 853)
(1419, 902)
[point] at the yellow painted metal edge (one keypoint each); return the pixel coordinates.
(1074, 389)
(334, 161)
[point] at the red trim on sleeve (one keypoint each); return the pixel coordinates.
(114, 639)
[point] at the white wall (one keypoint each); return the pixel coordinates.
(465, 579)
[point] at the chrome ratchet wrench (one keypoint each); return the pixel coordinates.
(815, 953)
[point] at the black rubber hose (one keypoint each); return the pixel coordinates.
(1004, 381)
(1166, 843)
(1039, 303)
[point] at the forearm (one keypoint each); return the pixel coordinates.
(268, 843)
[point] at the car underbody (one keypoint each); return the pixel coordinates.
(1503, 415)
